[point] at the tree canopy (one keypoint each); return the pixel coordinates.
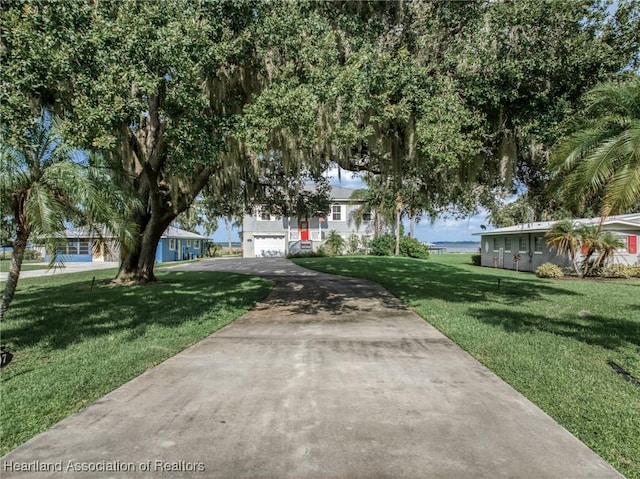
(459, 97)
(602, 158)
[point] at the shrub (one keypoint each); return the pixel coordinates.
(353, 244)
(32, 255)
(623, 271)
(476, 259)
(308, 254)
(383, 245)
(593, 270)
(412, 248)
(619, 271)
(549, 270)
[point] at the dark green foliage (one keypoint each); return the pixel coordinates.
(476, 259)
(383, 245)
(412, 248)
(321, 253)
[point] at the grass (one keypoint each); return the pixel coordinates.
(549, 339)
(74, 344)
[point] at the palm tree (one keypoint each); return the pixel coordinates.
(334, 244)
(564, 238)
(44, 184)
(608, 243)
(377, 201)
(603, 157)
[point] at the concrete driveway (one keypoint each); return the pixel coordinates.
(329, 377)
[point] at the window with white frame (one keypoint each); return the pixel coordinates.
(538, 244)
(336, 213)
(264, 216)
(366, 216)
(496, 243)
(172, 244)
(196, 244)
(188, 243)
(523, 244)
(507, 244)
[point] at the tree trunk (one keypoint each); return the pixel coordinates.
(228, 228)
(376, 225)
(398, 232)
(138, 265)
(19, 247)
(412, 220)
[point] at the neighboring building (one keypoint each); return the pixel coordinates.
(82, 246)
(499, 247)
(264, 235)
(176, 245)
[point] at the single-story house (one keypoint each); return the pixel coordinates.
(501, 247)
(265, 235)
(176, 245)
(82, 246)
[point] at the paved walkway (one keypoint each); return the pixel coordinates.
(68, 268)
(329, 377)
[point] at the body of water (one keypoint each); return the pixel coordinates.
(459, 247)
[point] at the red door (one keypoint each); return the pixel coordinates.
(304, 230)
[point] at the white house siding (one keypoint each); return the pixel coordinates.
(254, 227)
(495, 251)
(529, 258)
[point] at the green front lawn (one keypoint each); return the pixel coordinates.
(74, 344)
(549, 339)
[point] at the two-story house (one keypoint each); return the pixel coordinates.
(265, 235)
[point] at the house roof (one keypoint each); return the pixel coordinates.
(630, 220)
(172, 232)
(85, 232)
(340, 193)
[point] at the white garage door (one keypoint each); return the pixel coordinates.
(269, 246)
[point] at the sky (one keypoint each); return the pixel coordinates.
(442, 230)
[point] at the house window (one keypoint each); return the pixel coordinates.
(538, 244)
(366, 216)
(83, 246)
(63, 248)
(196, 244)
(188, 243)
(522, 244)
(496, 243)
(264, 216)
(507, 244)
(172, 244)
(336, 213)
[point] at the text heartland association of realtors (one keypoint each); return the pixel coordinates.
(103, 466)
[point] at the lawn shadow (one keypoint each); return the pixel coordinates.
(337, 297)
(610, 333)
(64, 314)
(415, 281)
